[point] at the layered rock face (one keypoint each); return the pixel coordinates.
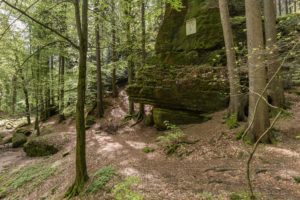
(181, 84)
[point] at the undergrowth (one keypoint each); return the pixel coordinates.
(34, 174)
(124, 190)
(173, 138)
(148, 150)
(232, 122)
(101, 178)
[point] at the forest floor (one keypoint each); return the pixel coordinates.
(213, 169)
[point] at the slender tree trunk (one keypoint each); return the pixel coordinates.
(52, 93)
(286, 7)
(235, 106)
(143, 24)
(37, 96)
(82, 30)
(257, 71)
(100, 108)
(276, 91)
(61, 88)
(26, 95)
(14, 94)
(130, 63)
(279, 7)
(114, 52)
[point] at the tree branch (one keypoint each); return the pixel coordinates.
(41, 24)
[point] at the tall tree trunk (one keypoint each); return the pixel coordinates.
(279, 7)
(82, 30)
(276, 91)
(143, 25)
(130, 64)
(37, 96)
(52, 93)
(100, 108)
(14, 94)
(257, 71)
(286, 7)
(26, 95)
(114, 52)
(61, 88)
(235, 106)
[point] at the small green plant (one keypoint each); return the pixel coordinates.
(101, 178)
(297, 179)
(148, 150)
(232, 121)
(172, 139)
(297, 137)
(123, 190)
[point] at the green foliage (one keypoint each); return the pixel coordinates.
(148, 150)
(297, 179)
(172, 139)
(232, 121)
(297, 137)
(101, 178)
(123, 190)
(34, 174)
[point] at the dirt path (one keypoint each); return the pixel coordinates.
(216, 167)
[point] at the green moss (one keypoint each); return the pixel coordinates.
(24, 131)
(18, 140)
(124, 190)
(148, 150)
(44, 145)
(101, 178)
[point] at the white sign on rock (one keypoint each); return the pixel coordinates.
(191, 26)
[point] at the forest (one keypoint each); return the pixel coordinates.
(150, 99)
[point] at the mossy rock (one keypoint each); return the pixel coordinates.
(149, 121)
(18, 139)
(24, 130)
(177, 117)
(7, 139)
(197, 88)
(45, 145)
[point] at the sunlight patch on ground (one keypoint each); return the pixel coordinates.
(110, 147)
(136, 145)
(285, 152)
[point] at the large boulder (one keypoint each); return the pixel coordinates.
(191, 88)
(45, 145)
(174, 46)
(24, 130)
(18, 139)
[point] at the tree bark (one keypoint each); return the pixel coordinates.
(143, 25)
(257, 72)
(14, 94)
(114, 52)
(276, 91)
(100, 108)
(130, 64)
(26, 95)
(61, 88)
(82, 30)
(235, 106)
